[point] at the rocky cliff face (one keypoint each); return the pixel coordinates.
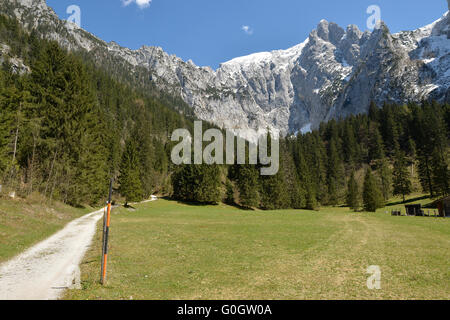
(333, 73)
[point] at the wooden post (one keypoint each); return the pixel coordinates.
(106, 223)
(103, 240)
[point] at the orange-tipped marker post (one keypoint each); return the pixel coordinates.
(106, 223)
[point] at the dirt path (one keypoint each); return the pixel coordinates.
(45, 270)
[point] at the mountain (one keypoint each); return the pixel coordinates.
(334, 73)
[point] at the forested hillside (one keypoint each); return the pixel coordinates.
(360, 161)
(67, 126)
(64, 124)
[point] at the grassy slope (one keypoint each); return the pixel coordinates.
(166, 250)
(26, 222)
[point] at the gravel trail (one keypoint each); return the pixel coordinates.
(45, 270)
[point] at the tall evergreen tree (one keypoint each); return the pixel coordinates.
(353, 193)
(440, 173)
(374, 112)
(314, 167)
(350, 146)
(7, 116)
(401, 176)
(335, 174)
(372, 197)
(273, 192)
(425, 173)
(197, 183)
(130, 177)
(390, 130)
(385, 175)
(248, 185)
(376, 148)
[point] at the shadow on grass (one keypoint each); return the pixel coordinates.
(204, 204)
(407, 201)
(190, 203)
(238, 206)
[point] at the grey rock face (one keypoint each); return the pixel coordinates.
(334, 73)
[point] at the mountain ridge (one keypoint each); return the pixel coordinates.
(335, 72)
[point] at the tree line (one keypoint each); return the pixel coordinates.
(388, 148)
(67, 126)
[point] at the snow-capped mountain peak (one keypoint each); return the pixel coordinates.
(333, 73)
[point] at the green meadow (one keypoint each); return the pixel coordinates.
(170, 250)
(25, 222)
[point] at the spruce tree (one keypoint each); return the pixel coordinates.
(130, 178)
(248, 185)
(209, 188)
(385, 175)
(390, 130)
(197, 183)
(310, 173)
(372, 197)
(316, 164)
(401, 176)
(335, 173)
(376, 147)
(440, 173)
(425, 173)
(229, 194)
(353, 193)
(6, 126)
(350, 147)
(296, 192)
(374, 112)
(273, 193)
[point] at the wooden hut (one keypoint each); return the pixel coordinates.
(414, 210)
(444, 206)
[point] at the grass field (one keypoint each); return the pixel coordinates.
(24, 222)
(168, 250)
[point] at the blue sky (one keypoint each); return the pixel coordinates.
(213, 31)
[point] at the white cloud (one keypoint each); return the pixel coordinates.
(140, 3)
(247, 30)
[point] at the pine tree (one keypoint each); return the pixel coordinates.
(350, 147)
(311, 199)
(310, 172)
(353, 193)
(432, 139)
(390, 130)
(295, 190)
(129, 179)
(376, 148)
(6, 125)
(335, 173)
(209, 190)
(372, 197)
(316, 164)
(248, 185)
(446, 112)
(385, 175)
(401, 176)
(440, 173)
(425, 173)
(197, 183)
(230, 193)
(374, 112)
(273, 193)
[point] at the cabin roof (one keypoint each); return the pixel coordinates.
(447, 198)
